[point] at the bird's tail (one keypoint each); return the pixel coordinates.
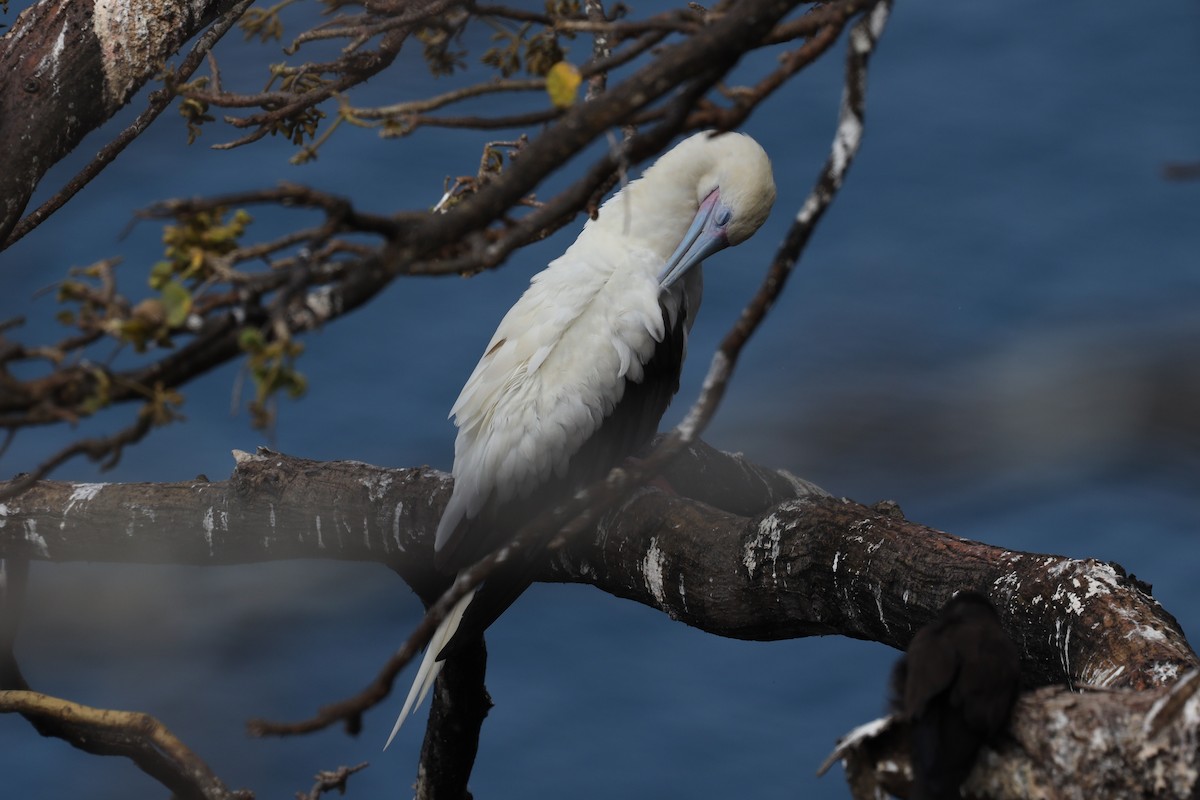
(430, 666)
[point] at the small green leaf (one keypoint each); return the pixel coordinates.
(71, 290)
(160, 273)
(177, 301)
(250, 340)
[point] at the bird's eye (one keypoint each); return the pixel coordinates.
(723, 217)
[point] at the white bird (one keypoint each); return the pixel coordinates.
(582, 367)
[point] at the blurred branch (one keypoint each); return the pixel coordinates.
(331, 780)
(1182, 171)
(139, 737)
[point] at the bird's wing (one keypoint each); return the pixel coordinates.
(933, 665)
(986, 693)
(555, 369)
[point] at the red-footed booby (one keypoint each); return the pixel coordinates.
(582, 367)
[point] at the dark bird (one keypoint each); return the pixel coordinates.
(955, 688)
(581, 369)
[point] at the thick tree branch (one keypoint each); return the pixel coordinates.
(1103, 744)
(764, 566)
(746, 552)
(66, 67)
(459, 703)
(159, 100)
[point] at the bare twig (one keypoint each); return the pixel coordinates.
(863, 37)
(410, 122)
(495, 86)
(107, 449)
(601, 48)
(289, 195)
(330, 780)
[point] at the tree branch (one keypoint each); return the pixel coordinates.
(67, 67)
(159, 100)
(329, 780)
(744, 552)
(1104, 744)
(770, 556)
(140, 737)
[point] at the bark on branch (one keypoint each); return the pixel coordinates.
(1061, 744)
(770, 556)
(66, 66)
(744, 552)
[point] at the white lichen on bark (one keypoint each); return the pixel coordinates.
(136, 37)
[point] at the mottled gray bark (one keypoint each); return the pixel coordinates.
(1061, 744)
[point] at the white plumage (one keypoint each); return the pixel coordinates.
(556, 367)
(601, 318)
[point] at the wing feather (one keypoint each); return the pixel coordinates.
(557, 369)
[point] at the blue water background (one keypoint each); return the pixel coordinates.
(997, 326)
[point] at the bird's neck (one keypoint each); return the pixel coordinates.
(650, 214)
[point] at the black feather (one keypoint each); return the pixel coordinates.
(955, 687)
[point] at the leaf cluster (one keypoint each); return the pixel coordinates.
(272, 367)
(92, 306)
(518, 49)
(195, 243)
(263, 23)
(194, 110)
(534, 49)
(441, 56)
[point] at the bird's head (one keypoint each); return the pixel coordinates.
(734, 192)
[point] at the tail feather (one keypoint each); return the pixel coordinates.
(430, 666)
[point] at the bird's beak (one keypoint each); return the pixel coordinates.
(705, 236)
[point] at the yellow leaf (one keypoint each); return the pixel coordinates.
(562, 84)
